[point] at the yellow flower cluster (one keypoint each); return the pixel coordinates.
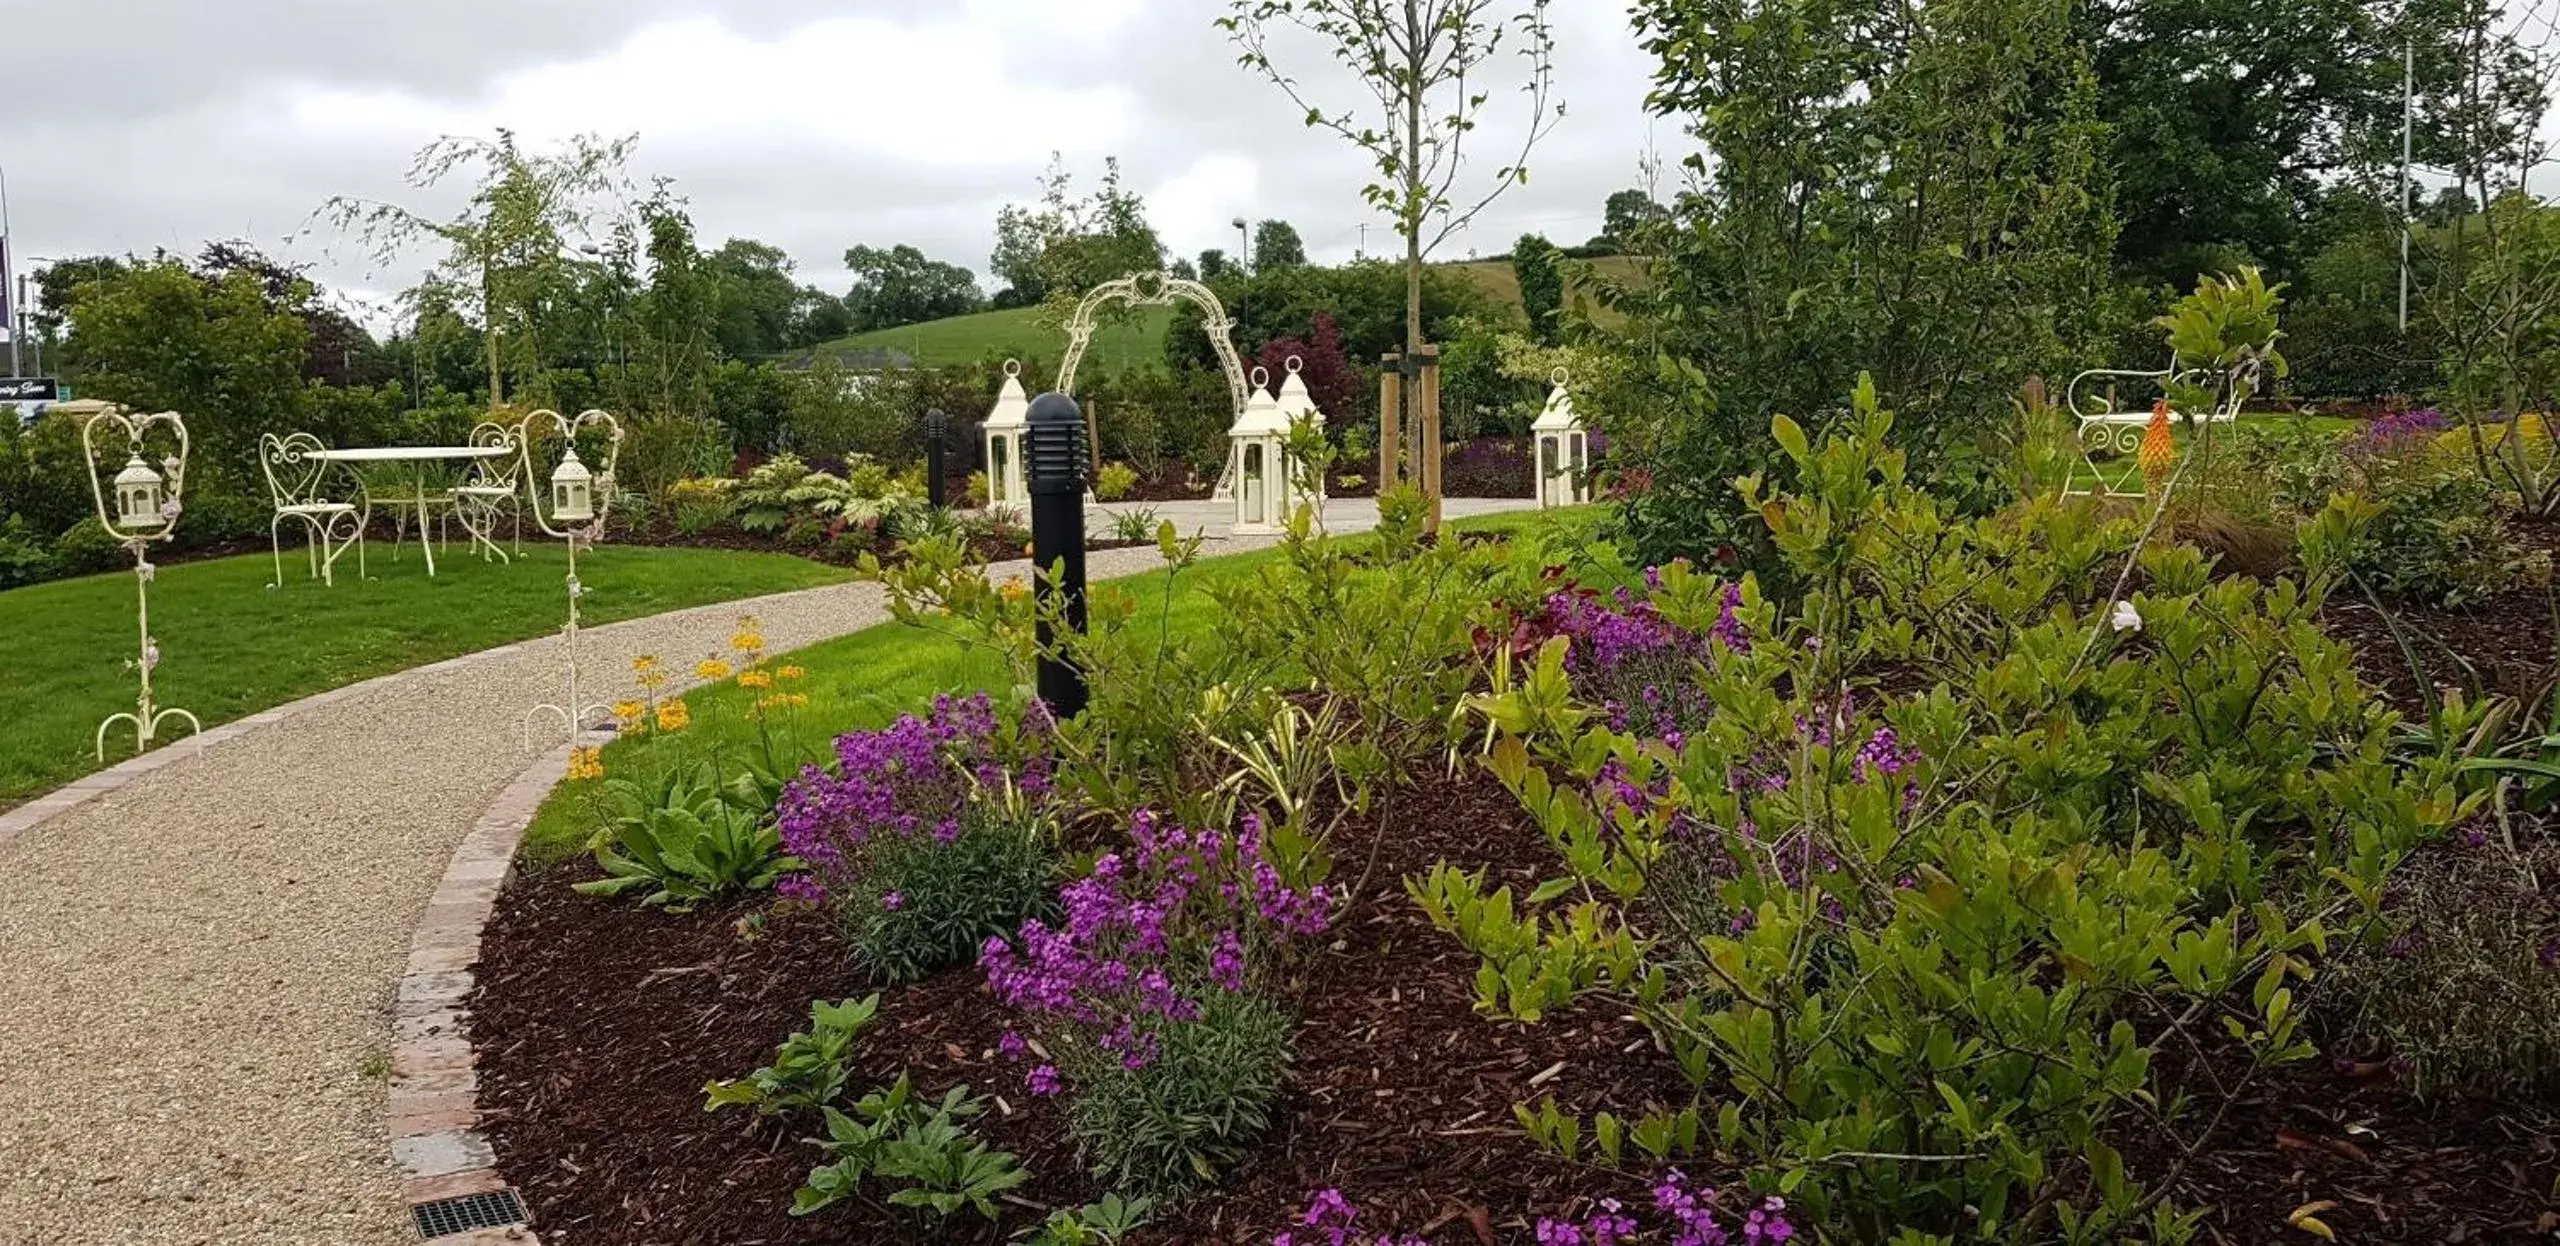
(674, 716)
(585, 763)
(1013, 589)
(628, 712)
(791, 672)
(646, 667)
(757, 680)
(712, 668)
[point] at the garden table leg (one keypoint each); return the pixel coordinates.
(426, 541)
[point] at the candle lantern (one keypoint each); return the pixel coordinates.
(572, 490)
(141, 504)
(1260, 474)
(581, 497)
(1563, 450)
(1297, 404)
(1005, 425)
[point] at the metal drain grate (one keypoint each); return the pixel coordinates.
(448, 1216)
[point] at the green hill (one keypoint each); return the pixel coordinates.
(1015, 333)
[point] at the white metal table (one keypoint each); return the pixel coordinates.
(420, 458)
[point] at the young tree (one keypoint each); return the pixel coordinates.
(506, 251)
(1426, 65)
(1276, 245)
(160, 337)
(1539, 266)
(675, 320)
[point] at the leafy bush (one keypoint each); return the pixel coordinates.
(938, 1164)
(785, 493)
(701, 504)
(658, 451)
(88, 548)
(1966, 839)
(1197, 1109)
(24, 556)
(926, 903)
(926, 838)
(1115, 481)
(1144, 1000)
(1135, 525)
(2459, 977)
(1105, 1222)
(808, 1070)
(684, 841)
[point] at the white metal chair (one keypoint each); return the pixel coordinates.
(294, 482)
(492, 489)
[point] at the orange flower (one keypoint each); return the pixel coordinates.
(2159, 451)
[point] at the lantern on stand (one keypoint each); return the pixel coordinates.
(1261, 475)
(581, 497)
(1005, 424)
(144, 509)
(1563, 450)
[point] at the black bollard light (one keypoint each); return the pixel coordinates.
(937, 432)
(1053, 463)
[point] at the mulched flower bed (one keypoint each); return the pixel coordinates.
(598, 1022)
(2501, 644)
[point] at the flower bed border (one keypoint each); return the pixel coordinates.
(432, 1114)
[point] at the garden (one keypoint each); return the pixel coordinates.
(2086, 867)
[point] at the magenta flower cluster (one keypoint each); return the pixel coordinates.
(1692, 1217)
(910, 779)
(1634, 662)
(1146, 934)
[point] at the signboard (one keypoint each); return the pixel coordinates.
(30, 389)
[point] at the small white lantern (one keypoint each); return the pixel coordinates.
(573, 498)
(138, 497)
(1563, 451)
(1005, 425)
(1262, 476)
(1297, 404)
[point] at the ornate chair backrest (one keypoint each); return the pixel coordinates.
(293, 476)
(499, 471)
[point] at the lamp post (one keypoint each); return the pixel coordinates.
(1053, 449)
(937, 432)
(144, 510)
(580, 498)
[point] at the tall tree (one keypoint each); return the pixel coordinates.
(1068, 244)
(1215, 266)
(507, 250)
(1540, 268)
(675, 320)
(1625, 215)
(160, 337)
(900, 285)
(759, 306)
(1427, 65)
(1276, 245)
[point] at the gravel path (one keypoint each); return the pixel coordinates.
(196, 969)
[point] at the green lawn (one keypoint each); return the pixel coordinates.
(867, 679)
(230, 646)
(1016, 333)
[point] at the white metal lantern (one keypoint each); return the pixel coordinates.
(1005, 425)
(1564, 450)
(138, 496)
(573, 490)
(1297, 404)
(1261, 476)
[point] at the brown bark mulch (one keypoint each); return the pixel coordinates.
(598, 1022)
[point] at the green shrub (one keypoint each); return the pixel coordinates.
(2442, 535)
(809, 1068)
(1966, 841)
(660, 450)
(702, 504)
(87, 549)
(2459, 977)
(937, 1162)
(677, 836)
(24, 556)
(1193, 1113)
(1115, 481)
(926, 905)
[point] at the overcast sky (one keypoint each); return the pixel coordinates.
(813, 125)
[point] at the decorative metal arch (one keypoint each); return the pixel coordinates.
(1156, 289)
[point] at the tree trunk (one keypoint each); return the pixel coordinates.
(1412, 222)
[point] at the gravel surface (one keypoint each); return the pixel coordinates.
(196, 970)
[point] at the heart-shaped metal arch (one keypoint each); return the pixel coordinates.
(136, 430)
(567, 428)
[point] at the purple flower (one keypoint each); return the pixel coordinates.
(1011, 1046)
(893, 900)
(1884, 754)
(1042, 1080)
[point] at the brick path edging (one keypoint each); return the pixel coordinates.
(433, 1113)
